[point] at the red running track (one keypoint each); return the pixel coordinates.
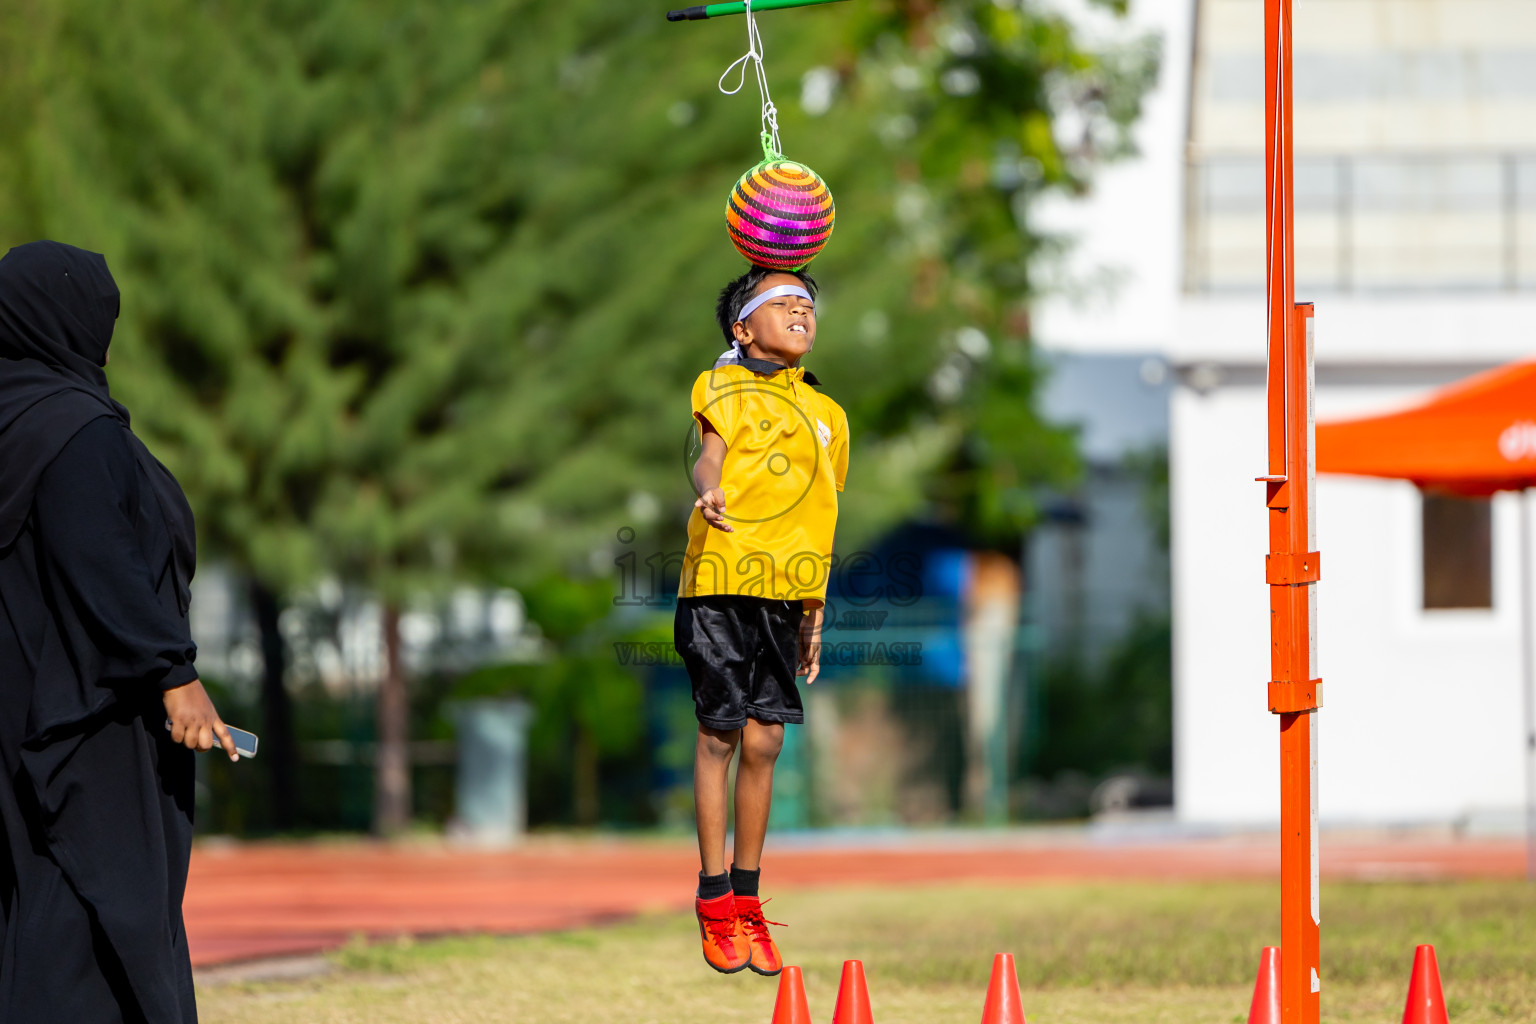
(250, 901)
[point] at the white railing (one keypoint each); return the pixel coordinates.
(1369, 223)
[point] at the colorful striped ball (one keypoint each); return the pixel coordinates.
(780, 214)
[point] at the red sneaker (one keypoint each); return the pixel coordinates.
(725, 947)
(765, 953)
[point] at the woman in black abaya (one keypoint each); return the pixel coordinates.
(96, 553)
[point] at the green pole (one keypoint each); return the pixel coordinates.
(719, 10)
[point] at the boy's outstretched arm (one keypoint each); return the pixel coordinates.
(706, 478)
(810, 643)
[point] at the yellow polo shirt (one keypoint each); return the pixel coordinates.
(786, 456)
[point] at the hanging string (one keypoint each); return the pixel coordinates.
(772, 148)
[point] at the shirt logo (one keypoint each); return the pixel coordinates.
(824, 432)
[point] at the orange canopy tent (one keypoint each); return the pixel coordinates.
(1472, 438)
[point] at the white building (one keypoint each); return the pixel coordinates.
(1416, 220)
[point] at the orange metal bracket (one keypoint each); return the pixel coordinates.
(1284, 569)
(1288, 697)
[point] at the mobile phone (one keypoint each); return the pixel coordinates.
(245, 742)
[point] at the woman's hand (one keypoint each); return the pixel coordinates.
(194, 721)
(711, 506)
(810, 645)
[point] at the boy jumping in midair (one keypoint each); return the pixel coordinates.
(749, 610)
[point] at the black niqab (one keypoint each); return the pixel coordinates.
(58, 308)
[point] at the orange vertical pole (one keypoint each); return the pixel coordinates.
(1280, 290)
(1292, 569)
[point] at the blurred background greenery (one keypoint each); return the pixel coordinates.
(413, 296)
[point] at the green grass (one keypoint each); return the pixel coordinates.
(1095, 954)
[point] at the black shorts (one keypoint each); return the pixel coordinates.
(741, 654)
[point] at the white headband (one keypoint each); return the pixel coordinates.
(772, 293)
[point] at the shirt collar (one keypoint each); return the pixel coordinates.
(770, 368)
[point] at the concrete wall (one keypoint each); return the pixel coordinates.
(1421, 716)
(1373, 74)
(1411, 266)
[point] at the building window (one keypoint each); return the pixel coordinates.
(1458, 552)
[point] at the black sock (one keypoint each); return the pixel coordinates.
(744, 883)
(714, 886)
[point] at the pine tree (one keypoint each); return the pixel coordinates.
(415, 294)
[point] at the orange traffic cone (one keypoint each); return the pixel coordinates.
(853, 996)
(1426, 1001)
(1004, 1004)
(1265, 1008)
(791, 1007)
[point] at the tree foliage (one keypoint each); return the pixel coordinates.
(416, 293)
(1115, 714)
